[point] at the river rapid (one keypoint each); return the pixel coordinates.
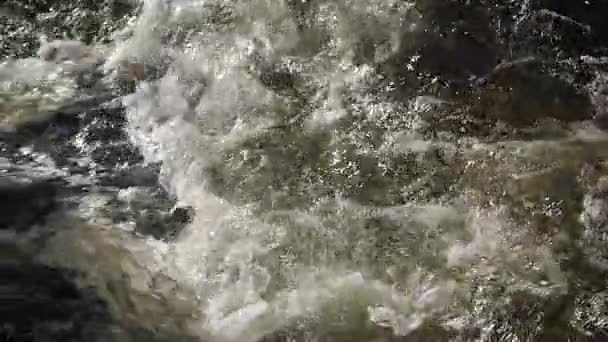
(349, 170)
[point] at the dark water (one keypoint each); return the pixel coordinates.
(306, 171)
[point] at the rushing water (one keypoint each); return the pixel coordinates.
(358, 171)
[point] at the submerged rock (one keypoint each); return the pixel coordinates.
(63, 121)
(131, 177)
(25, 203)
(594, 218)
(601, 121)
(589, 17)
(44, 303)
(520, 93)
(450, 44)
(40, 303)
(163, 225)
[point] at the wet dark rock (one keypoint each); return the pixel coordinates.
(84, 20)
(453, 44)
(154, 224)
(104, 124)
(163, 225)
(131, 176)
(25, 203)
(277, 80)
(462, 57)
(105, 130)
(550, 35)
(64, 121)
(40, 303)
(594, 218)
(182, 214)
(590, 16)
(28, 131)
(520, 93)
(112, 155)
(595, 214)
(601, 121)
(452, 118)
(151, 208)
(590, 308)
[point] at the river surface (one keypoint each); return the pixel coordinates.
(348, 170)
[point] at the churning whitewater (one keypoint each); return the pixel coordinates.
(287, 232)
(350, 177)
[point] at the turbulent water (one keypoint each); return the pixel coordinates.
(357, 170)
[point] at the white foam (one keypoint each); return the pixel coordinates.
(254, 275)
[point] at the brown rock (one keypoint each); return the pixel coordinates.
(135, 71)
